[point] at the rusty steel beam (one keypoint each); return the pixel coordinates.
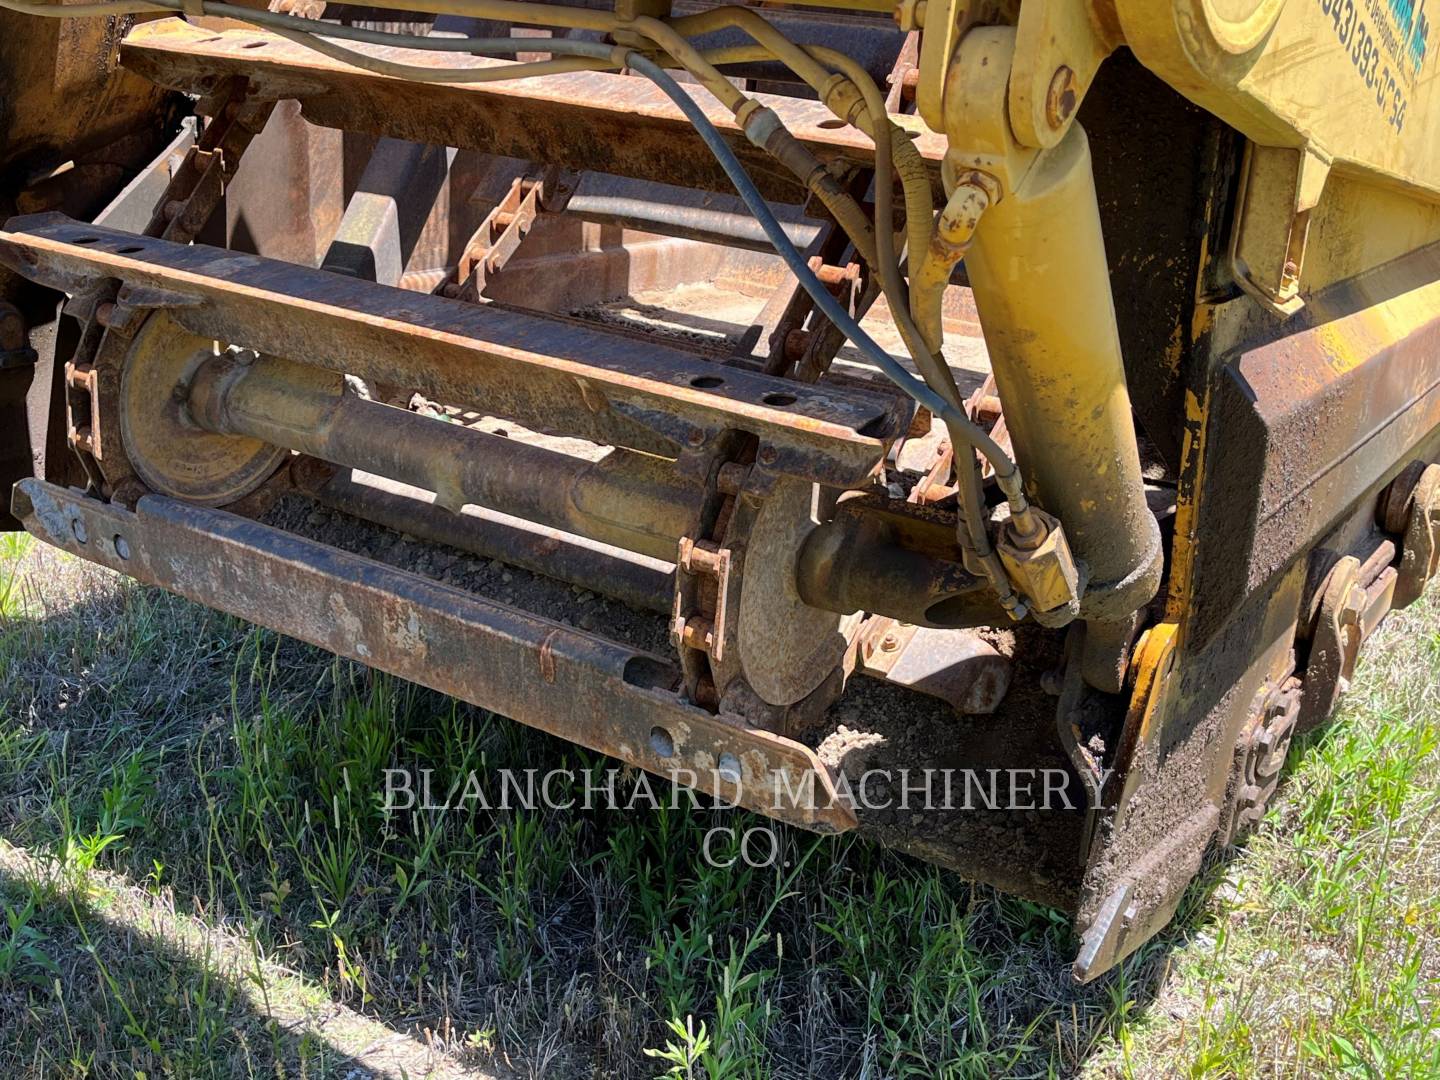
(572, 684)
(585, 120)
(550, 375)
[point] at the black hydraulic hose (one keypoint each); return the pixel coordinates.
(798, 266)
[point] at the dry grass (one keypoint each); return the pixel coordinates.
(198, 879)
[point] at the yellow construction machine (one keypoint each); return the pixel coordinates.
(783, 398)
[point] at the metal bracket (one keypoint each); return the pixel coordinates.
(1058, 48)
(702, 586)
(1279, 187)
(944, 23)
(957, 666)
(498, 237)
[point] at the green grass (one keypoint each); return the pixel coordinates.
(198, 878)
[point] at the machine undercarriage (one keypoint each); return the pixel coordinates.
(1087, 439)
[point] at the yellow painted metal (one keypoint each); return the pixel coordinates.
(945, 23)
(1335, 95)
(976, 119)
(1281, 185)
(1042, 289)
(1045, 572)
(1358, 225)
(1355, 81)
(1059, 45)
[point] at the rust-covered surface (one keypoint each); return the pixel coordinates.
(553, 375)
(74, 125)
(565, 681)
(585, 120)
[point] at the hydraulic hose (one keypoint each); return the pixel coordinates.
(528, 14)
(813, 63)
(870, 116)
(419, 73)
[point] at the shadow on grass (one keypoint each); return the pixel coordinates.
(104, 985)
(242, 774)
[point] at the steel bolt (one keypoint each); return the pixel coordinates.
(910, 14)
(768, 455)
(698, 633)
(889, 643)
(1061, 98)
(908, 82)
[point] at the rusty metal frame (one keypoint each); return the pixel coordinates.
(570, 683)
(545, 373)
(596, 121)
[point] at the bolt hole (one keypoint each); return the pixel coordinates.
(779, 399)
(85, 240)
(875, 426)
(129, 250)
(77, 528)
(662, 742)
(707, 382)
(122, 546)
(729, 768)
(832, 124)
(256, 44)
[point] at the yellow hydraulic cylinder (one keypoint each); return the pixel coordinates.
(1042, 290)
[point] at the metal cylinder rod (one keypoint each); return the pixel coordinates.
(636, 580)
(1042, 290)
(674, 211)
(628, 499)
(873, 556)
